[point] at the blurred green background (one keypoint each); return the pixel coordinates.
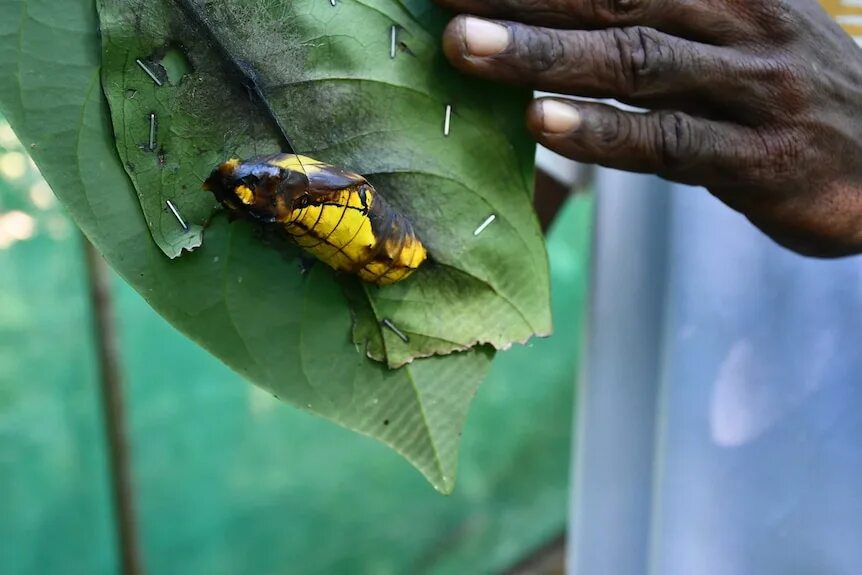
(228, 480)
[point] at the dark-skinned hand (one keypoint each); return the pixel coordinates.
(760, 101)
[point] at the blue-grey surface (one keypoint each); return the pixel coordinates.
(720, 404)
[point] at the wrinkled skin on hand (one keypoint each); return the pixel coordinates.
(760, 101)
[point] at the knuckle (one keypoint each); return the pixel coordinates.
(610, 132)
(541, 49)
(640, 58)
(675, 141)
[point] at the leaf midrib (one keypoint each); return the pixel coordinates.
(409, 374)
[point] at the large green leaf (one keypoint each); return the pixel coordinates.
(289, 334)
(232, 76)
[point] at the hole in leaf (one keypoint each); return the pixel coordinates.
(176, 65)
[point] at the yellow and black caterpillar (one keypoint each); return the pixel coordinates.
(333, 214)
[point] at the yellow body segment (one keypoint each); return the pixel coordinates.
(405, 258)
(333, 214)
(337, 232)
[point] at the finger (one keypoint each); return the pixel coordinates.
(708, 20)
(634, 65)
(673, 145)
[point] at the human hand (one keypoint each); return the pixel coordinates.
(760, 101)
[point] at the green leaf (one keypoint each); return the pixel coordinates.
(239, 299)
(190, 86)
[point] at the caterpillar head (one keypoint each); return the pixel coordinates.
(256, 188)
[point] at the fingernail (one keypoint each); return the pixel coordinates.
(559, 118)
(484, 38)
